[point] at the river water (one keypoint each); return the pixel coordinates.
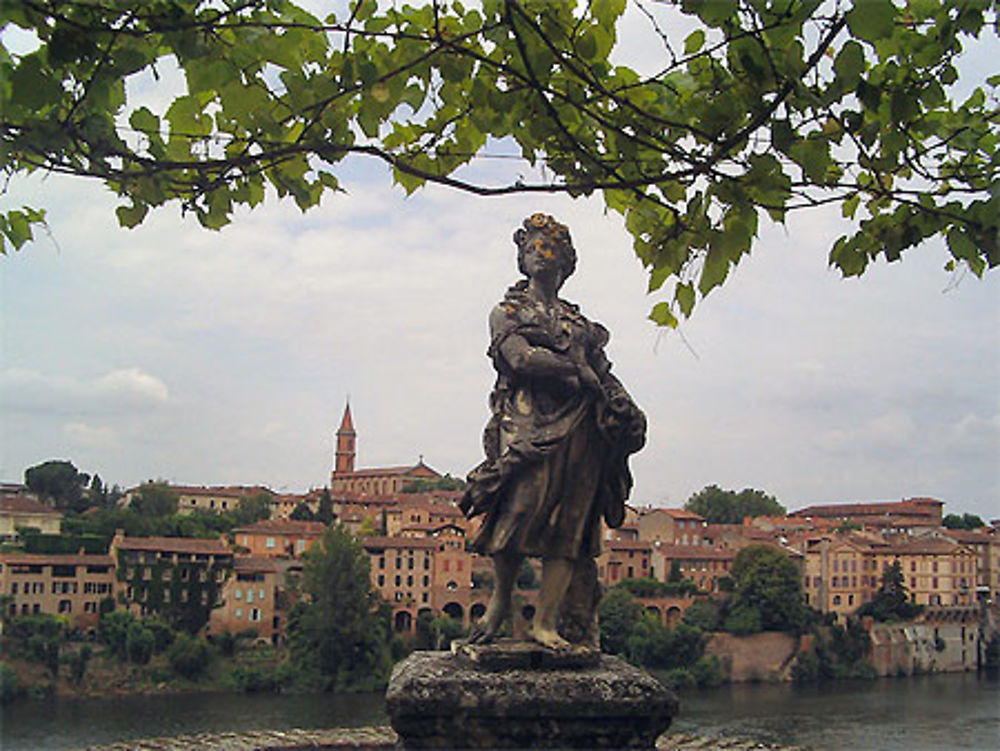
(932, 712)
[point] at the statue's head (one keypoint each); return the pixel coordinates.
(549, 237)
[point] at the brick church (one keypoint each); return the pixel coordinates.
(372, 481)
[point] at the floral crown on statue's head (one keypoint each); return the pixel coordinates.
(557, 235)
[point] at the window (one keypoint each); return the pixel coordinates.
(239, 612)
(381, 561)
(381, 580)
(260, 594)
(238, 594)
(836, 599)
(255, 614)
(269, 542)
(13, 588)
(300, 545)
(249, 596)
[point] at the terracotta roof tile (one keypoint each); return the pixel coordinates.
(23, 504)
(174, 545)
(58, 559)
(416, 543)
(251, 565)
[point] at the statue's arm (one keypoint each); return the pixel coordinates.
(526, 359)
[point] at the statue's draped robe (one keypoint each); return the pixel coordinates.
(556, 453)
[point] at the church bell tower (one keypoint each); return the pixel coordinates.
(344, 459)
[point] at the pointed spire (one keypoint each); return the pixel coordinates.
(346, 423)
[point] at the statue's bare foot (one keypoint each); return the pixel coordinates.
(547, 637)
(485, 630)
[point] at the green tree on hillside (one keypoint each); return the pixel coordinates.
(155, 499)
(302, 513)
(339, 635)
(761, 109)
(59, 482)
(720, 506)
(253, 508)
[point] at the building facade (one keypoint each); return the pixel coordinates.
(72, 586)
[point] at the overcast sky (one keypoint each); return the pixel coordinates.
(200, 357)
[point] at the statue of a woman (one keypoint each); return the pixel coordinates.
(557, 446)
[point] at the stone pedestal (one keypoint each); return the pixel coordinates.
(521, 696)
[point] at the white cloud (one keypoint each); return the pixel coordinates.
(118, 391)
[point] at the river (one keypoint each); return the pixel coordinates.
(916, 714)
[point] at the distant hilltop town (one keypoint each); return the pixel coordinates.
(407, 521)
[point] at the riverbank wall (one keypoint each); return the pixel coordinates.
(942, 640)
(766, 656)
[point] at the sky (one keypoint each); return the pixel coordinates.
(209, 358)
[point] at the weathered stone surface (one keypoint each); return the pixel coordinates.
(514, 654)
(340, 739)
(379, 739)
(438, 700)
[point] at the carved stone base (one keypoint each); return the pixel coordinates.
(442, 700)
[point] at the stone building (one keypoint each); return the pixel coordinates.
(278, 538)
(248, 600)
(67, 585)
(902, 517)
(22, 509)
(178, 577)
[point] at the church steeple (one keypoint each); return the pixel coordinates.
(344, 460)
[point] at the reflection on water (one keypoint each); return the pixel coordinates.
(915, 714)
(932, 712)
(77, 723)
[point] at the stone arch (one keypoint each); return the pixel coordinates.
(403, 620)
(528, 612)
(673, 615)
(477, 610)
(453, 610)
(655, 611)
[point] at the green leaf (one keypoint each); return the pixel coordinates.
(33, 87)
(145, 121)
(18, 229)
(850, 206)
(131, 216)
(694, 42)
(607, 12)
(715, 270)
(662, 316)
(684, 294)
(813, 156)
(871, 20)
(850, 64)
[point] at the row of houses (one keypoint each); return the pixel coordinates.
(419, 561)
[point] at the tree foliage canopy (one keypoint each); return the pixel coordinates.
(892, 600)
(720, 506)
(768, 591)
(765, 107)
(965, 521)
(155, 499)
(59, 481)
(339, 634)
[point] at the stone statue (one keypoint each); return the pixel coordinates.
(557, 446)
